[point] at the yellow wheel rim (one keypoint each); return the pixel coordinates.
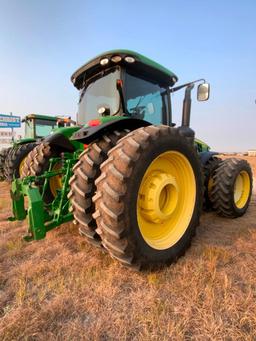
(55, 182)
(21, 165)
(166, 200)
(242, 189)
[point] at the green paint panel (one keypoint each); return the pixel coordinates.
(24, 141)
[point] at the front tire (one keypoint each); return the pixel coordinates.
(149, 197)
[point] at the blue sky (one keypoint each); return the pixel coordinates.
(43, 42)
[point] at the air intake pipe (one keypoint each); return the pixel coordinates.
(187, 106)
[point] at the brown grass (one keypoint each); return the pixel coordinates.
(61, 288)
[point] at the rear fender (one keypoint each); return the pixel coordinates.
(205, 156)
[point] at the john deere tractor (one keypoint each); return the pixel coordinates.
(138, 187)
(36, 127)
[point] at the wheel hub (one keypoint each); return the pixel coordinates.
(158, 197)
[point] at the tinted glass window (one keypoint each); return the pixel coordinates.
(144, 99)
(102, 92)
(44, 127)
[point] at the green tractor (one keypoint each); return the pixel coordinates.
(36, 127)
(138, 187)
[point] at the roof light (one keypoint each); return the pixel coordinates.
(129, 59)
(101, 110)
(104, 61)
(116, 59)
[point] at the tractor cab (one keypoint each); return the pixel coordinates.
(123, 83)
(38, 126)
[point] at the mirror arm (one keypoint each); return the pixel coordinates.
(187, 84)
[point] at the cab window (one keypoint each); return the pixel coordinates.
(144, 99)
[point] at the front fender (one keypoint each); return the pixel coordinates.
(60, 139)
(87, 134)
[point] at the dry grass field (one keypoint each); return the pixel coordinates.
(61, 288)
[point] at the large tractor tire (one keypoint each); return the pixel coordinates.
(232, 188)
(3, 155)
(149, 197)
(16, 159)
(209, 170)
(82, 184)
(37, 163)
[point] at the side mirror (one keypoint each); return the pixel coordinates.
(203, 92)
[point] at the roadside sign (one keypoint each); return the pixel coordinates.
(9, 121)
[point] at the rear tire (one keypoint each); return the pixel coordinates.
(3, 155)
(150, 165)
(232, 188)
(15, 160)
(82, 185)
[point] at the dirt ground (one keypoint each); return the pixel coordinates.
(61, 288)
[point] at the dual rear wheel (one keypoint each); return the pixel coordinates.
(143, 203)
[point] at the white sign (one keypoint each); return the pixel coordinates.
(7, 134)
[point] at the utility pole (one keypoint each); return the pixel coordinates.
(12, 129)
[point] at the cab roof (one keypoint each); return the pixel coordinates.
(142, 64)
(44, 117)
